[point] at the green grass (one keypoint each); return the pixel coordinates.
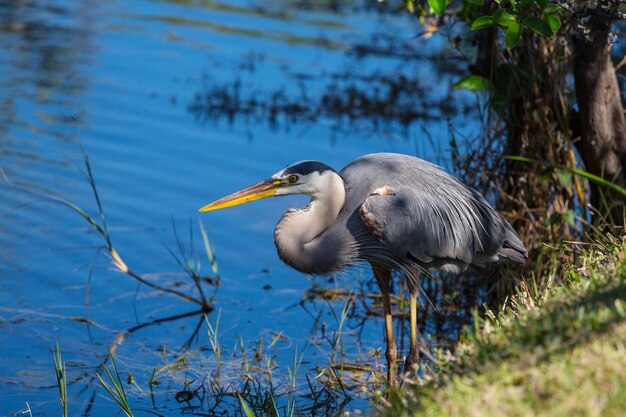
(115, 386)
(61, 376)
(560, 351)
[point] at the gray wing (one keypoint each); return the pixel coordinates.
(441, 223)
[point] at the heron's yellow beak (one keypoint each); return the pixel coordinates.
(258, 191)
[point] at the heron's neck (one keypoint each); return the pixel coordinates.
(302, 237)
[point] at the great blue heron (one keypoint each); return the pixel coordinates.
(396, 212)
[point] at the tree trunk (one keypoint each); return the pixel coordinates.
(602, 127)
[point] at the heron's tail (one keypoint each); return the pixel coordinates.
(513, 249)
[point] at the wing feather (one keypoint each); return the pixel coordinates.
(433, 226)
(415, 209)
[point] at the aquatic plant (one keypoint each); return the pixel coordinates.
(115, 387)
(61, 376)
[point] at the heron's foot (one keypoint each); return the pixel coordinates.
(411, 363)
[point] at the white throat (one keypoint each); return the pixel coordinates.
(299, 228)
(327, 197)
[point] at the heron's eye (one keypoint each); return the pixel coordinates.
(293, 178)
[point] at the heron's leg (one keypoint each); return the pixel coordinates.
(383, 278)
(413, 358)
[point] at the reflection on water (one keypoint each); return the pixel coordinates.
(43, 47)
(144, 86)
(375, 100)
(414, 87)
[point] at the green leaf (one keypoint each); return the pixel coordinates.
(500, 102)
(503, 17)
(513, 35)
(554, 22)
(564, 177)
(482, 22)
(552, 8)
(473, 83)
(476, 2)
(538, 26)
(519, 5)
(245, 407)
(542, 3)
(438, 6)
(569, 217)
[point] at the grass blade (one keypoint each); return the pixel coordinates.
(209, 249)
(213, 333)
(245, 407)
(589, 176)
(116, 387)
(61, 375)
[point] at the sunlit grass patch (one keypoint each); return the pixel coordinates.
(561, 354)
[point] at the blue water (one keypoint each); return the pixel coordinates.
(121, 78)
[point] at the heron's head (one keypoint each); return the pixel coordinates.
(305, 177)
